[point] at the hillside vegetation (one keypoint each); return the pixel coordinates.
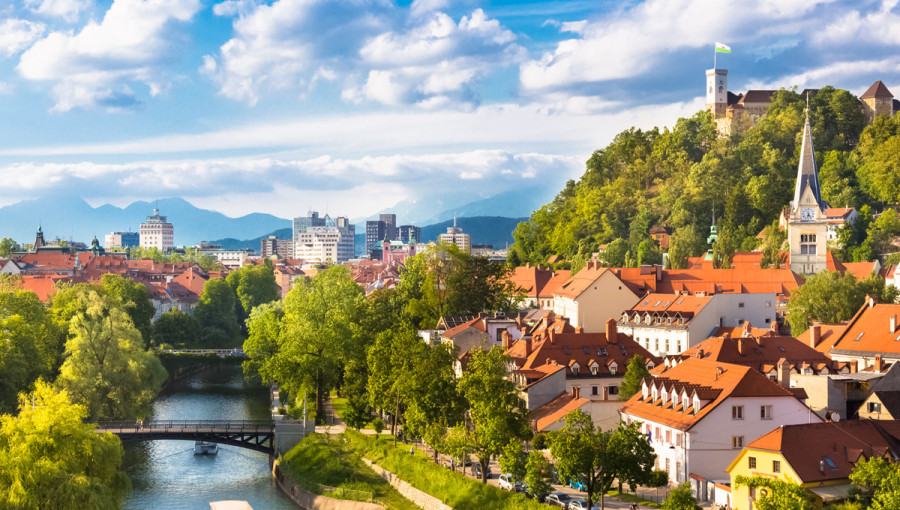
(685, 177)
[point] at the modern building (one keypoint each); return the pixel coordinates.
(455, 236)
(390, 225)
(122, 240)
(334, 243)
(375, 234)
(409, 233)
(158, 233)
(282, 248)
(301, 223)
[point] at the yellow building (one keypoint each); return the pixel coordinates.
(816, 456)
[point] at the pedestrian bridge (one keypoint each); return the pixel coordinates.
(256, 435)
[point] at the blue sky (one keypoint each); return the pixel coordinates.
(354, 106)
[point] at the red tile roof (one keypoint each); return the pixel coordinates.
(555, 410)
(579, 283)
(871, 331)
(762, 352)
(878, 89)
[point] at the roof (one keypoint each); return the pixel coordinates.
(872, 330)
(740, 279)
(579, 283)
(890, 399)
(879, 90)
(710, 381)
(860, 270)
(762, 352)
(828, 451)
(538, 281)
(828, 335)
(757, 96)
(807, 171)
(555, 410)
(476, 323)
(671, 304)
(838, 212)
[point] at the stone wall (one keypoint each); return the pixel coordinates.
(421, 499)
(312, 501)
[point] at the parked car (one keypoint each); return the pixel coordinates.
(560, 499)
(580, 504)
(476, 470)
(529, 495)
(506, 482)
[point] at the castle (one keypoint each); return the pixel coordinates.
(736, 112)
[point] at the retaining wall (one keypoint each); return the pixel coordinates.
(312, 501)
(421, 499)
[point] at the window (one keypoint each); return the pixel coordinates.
(751, 462)
(678, 439)
(667, 465)
(613, 390)
(669, 436)
(678, 345)
(807, 244)
(765, 412)
(776, 466)
(874, 407)
(740, 305)
(737, 412)
(657, 344)
(595, 390)
(737, 441)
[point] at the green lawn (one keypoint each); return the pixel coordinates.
(420, 471)
(329, 460)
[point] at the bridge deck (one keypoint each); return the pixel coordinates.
(253, 434)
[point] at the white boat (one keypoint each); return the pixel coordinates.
(205, 448)
(229, 505)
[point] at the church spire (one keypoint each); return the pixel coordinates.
(807, 172)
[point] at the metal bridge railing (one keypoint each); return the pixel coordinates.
(188, 426)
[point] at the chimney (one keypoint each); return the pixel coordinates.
(552, 336)
(854, 366)
(576, 392)
(527, 347)
(505, 339)
(700, 353)
(894, 323)
(612, 331)
(759, 340)
(870, 300)
(579, 330)
(740, 346)
(784, 373)
(815, 335)
(879, 363)
(726, 335)
(746, 329)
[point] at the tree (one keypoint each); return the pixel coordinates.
(634, 377)
(8, 246)
(265, 326)
(176, 328)
(597, 458)
(827, 297)
(254, 285)
(50, 459)
(217, 314)
(685, 242)
(681, 499)
(392, 362)
(773, 242)
(135, 300)
(513, 460)
(496, 412)
(537, 475)
(878, 483)
(477, 285)
(107, 369)
(774, 494)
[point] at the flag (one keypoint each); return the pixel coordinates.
(722, 48)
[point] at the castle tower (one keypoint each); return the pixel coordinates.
(807, 227)
(717, 91)
(878, 100)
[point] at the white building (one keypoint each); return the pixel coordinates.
(326, 244)
(121, 240)
(455, 236)
(667, 324)
(156, 232)
(700, 414)
(592, 296)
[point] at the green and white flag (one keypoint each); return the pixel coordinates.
(722, 48)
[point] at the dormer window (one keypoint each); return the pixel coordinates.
(594, 368)
(644, 391)
(696, 404)
(613, 367)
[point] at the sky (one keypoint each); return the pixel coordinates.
(356, 106)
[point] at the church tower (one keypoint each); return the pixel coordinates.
(717, 91)
(807, 226)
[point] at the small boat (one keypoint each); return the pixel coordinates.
(205, 448)
(229, 505)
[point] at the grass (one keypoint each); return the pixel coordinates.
(631, 498)
(421, 472)
(329, 460)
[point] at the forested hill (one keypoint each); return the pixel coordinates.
(683, 177)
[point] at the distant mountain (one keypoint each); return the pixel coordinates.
(73, 218)
(493, 230)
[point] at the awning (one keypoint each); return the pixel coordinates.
(832, 492)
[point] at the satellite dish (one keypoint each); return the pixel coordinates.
(835, 417)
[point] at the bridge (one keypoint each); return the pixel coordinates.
(256, 435)
(222, 353)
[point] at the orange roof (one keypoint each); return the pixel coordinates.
(555, 410)
(538, 281)
(580, 282)
(761, 353)
(711, 381)
(476, 323)
(42, 285)
(834, 446)
(860, 270)
(871, 331)
(740, 279)
(828, 336)
(671, 303)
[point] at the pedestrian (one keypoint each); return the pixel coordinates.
(412, 450)
(137, 426)
(142, 424)
(634, 506)
(453, 464)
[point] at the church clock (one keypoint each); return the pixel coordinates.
(807, 214)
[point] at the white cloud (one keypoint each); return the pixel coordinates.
(18, 34)
(878, 27)
(235, 7)
(95, 67)
(845, 74)
(64, 9)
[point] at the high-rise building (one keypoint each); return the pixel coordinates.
(122, 240)
(409, 233)
(335, 243)
(390, 226)
(455, 236)
(284, 248)
(156, 232)
(301, 223)
(375, 233)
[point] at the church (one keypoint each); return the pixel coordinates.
(807, 220)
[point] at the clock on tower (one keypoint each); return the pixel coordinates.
(807, 214)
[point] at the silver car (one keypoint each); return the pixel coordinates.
(580, 504)
(560, 499)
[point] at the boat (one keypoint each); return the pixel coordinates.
(205, 448)
(229, 505)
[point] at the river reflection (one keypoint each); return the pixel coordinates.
(167, 475)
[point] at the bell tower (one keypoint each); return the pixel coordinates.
(807, 225)
(717, 91)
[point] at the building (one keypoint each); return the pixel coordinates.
(878, 100)
(282, 248)
(335, 244)
(592, 296)
(301, 223)
(807, 222)
(480, 332)
(375, 234)
(158, 233)
(667, 324)
(122, 240)
(539, 283)
(455, 236)
(390, 225)
(409, 233)
(871, 337)
(699, 414)
(817, 456)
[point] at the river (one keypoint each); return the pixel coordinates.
(166, 475)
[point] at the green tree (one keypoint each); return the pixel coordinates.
(177, 329)
(8, 246)
(135, 300)
(827, 297)
(685, 242)
(478, 285)
(495, 410)
(106, 368)
(772, 246)
(774, 494)
(681, 499)
(254, 285)
(51, 460)
(392, 363)
(538, 477)
(635, 374)
(217, 314)
(513, 460)
(597, 458)
(878, 482)
(615, 252)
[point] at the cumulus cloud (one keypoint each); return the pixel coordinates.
(64, 9)
(18, 34)
(878, 26)
(97, 65)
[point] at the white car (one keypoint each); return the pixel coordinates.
(580, 504)
(506, 482)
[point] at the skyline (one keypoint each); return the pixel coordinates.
(243, 106)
